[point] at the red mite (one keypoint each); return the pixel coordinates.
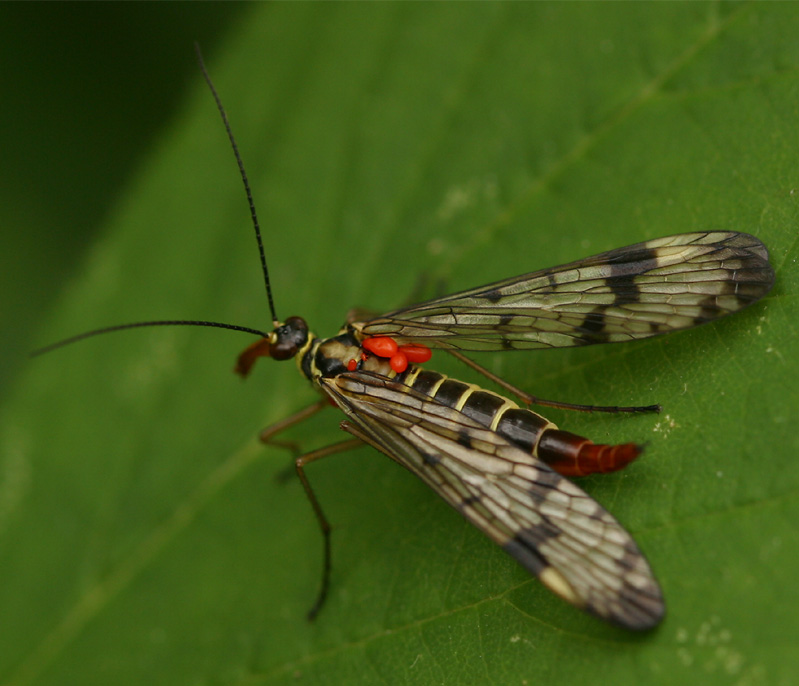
(398, 355)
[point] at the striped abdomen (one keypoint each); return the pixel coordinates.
(565, 452)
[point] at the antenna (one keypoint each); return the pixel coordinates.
(136, 325)
(192, 322)
(245, 181)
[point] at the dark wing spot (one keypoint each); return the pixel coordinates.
(431, 459)
(523, 547)
(547, 478)
(709, 309)
(493, 296)
(623, 275)
(622, 263)
(593, 325)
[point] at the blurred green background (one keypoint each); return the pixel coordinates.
(86, 88)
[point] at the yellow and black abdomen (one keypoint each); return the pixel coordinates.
(567, 453)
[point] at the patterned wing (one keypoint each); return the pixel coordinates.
(635, 292)
(554, 529)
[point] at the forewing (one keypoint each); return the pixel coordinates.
(548, 524)
(625, 294)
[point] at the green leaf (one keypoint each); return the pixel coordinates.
(76, 117)
(145, 538)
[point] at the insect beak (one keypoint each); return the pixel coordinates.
(245, 361)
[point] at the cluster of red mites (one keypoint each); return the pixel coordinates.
(399, 356)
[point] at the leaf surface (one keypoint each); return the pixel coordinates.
(144, 535)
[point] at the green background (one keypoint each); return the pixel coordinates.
(143, 536)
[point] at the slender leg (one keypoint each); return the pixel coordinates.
(300, 464)
(270, 431)
(535, 400)
(267, 436)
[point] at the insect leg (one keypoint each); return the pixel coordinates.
(535, 400)
(266, 435)
(300, 464)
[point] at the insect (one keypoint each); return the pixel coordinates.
(502, 466)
